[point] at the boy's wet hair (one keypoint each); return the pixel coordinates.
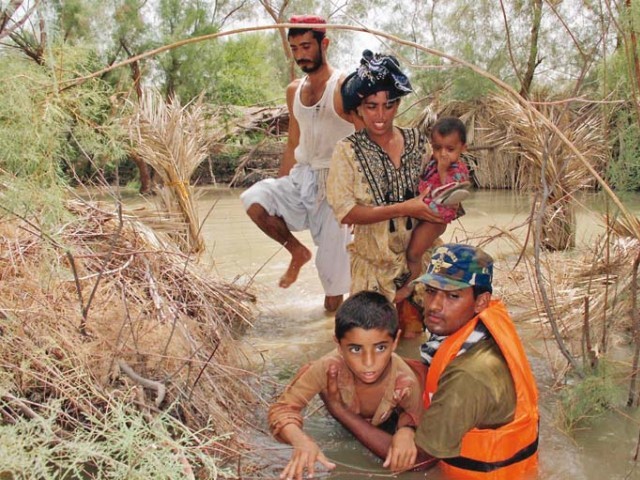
(366, 310)
(447, 125)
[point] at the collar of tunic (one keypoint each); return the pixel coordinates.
(390, 184)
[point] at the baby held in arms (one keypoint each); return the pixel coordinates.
(447, 177)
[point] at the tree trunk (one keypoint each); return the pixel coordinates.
(632, 54)
(532, 61)
(278, 16)
(559, 225)
(172, 74)
(143, 169)
(145, 172)
(634, 47)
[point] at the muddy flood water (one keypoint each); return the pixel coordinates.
(292, 328)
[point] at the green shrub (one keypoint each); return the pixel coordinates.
(587, 399)
(24, 197)
(46, 134)
(624, 170)
(122, 443)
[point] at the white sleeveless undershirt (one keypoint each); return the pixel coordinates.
(320, 127)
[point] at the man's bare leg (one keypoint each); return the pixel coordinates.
(276, 228)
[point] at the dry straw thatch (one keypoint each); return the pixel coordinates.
(521, 133)
(545, 163)
(105, 315)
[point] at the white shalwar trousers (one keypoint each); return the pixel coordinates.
(295, 198)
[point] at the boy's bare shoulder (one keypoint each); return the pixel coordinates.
(409, 372)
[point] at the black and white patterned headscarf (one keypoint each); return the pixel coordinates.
(376, 73)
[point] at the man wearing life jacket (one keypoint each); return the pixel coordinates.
(481, 401)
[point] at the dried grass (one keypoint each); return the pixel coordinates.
(142, 304)
(571, 278)
(522, 134)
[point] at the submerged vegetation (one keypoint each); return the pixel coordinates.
(588, 398)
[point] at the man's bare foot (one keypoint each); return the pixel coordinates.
(299, 256)
(332, 302)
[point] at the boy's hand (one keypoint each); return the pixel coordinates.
(402, 452)
(304, 457)
(331, 397)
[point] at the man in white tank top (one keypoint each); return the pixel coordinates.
(296, 200)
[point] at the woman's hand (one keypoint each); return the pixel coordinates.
(404, 292)
(416, 208)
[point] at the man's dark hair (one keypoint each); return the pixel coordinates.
(480, 289)
(295, 32)
(447, 125)
(366, 310)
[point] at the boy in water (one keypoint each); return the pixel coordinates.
(446, 176)
(373, 382)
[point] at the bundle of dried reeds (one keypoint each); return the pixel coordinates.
(545, 163)
(174, 140)
(522, 133)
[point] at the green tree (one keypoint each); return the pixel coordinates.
(244, 75)
(48, 137)
(619, 77)
(527, 43)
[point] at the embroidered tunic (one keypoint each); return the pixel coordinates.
(362, 173)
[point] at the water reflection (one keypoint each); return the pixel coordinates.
(293, 328)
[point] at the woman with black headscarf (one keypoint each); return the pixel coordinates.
(373, 179)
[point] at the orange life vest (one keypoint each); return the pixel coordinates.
(508, 452)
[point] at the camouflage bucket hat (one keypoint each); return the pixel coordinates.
(454, 266)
